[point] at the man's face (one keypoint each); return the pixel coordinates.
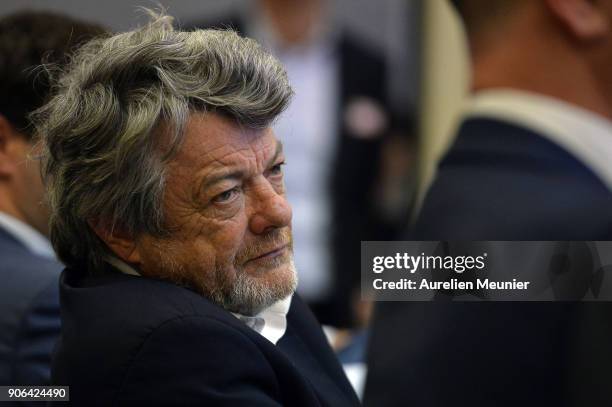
(32, 192)
(26, 191)
(228, 220)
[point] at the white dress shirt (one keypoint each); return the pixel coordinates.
(31, 238)
(271, 323)
(584, 134)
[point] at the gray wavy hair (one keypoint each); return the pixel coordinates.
(118, 116)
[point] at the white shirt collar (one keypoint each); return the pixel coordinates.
(122, 266)
(584, 134)
(271, 323)
(31, 238)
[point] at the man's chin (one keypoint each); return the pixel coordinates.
(253, 291)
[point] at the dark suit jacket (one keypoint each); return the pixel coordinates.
(29, 321)
(354, 173)
(133, 340)
(500, 182)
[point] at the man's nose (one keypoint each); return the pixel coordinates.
(270, 211)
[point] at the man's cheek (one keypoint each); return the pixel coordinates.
(228, 240)
(214, 225)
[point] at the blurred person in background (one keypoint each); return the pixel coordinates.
(532, 161)
(168, 207)
(334, 134)
(29, 309)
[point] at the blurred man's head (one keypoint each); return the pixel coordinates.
(159, 152)
(295, 22)
(28, 39)
(562, 48)
(479, 15)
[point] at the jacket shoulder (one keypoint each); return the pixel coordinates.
(503, 182)
(199, 359)
(138, 331)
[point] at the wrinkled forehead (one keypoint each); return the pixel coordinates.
(213, 142)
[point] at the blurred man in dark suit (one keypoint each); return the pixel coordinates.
(168, 207)
(532, 161)
(29, 309)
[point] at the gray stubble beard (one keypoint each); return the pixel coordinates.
(249, 295)
(244, 294)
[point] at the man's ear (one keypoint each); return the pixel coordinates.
(7, 151)
(121, 243)
(586, 20)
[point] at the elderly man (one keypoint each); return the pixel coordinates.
(168, 208)
(334, 181)
(29, 295)
(532, 161)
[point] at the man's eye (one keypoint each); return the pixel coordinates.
(226, 196)
(277, 169)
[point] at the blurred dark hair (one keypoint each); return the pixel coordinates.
(456, 4)
(478, 14)
(28, 39)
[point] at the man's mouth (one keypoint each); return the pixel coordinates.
(271, 254)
